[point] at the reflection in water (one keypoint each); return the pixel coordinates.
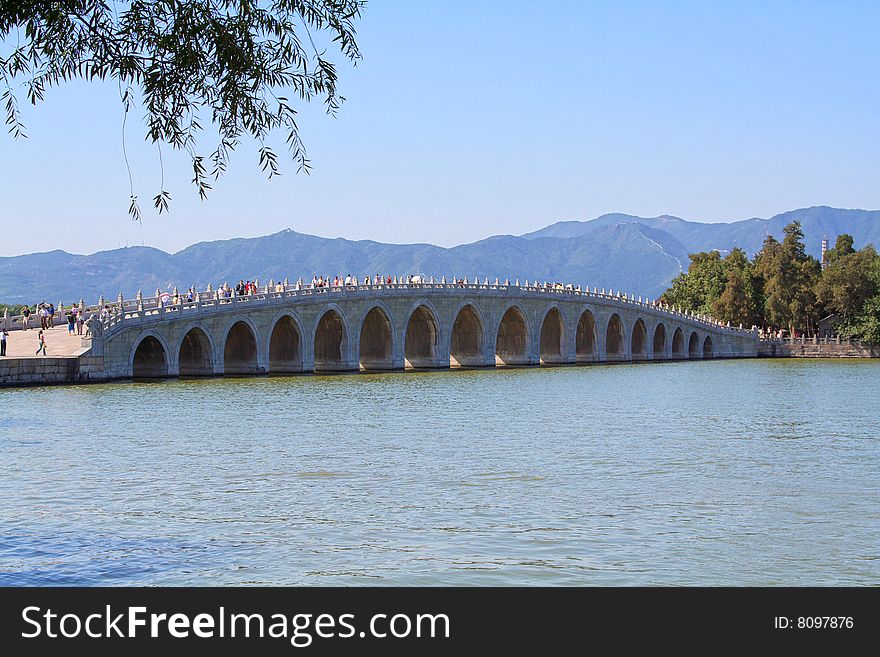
(725, 472)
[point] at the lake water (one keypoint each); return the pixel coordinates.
(726, 472)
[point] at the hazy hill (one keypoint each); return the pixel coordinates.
(863, 225)
(634, 254)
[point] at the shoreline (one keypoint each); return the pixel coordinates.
(24, 372)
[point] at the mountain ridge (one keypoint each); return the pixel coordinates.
(635, 254)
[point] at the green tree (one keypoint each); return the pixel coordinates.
(699, 287)
(13, 309)
(865, 322)
(850, 287)
(842, 247)
(740, 301)
(866, 325)
(789, 276)
(847, 282)
(233, 62)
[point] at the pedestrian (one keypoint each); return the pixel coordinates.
(71, 322)
(3, 336)
(25, 318)
(80, 320)
(41, 343)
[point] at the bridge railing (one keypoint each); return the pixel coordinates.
(113, 316)
(836, 339)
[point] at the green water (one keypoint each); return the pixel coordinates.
(725, 472)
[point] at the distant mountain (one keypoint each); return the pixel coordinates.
(619, 251)
(863, 225)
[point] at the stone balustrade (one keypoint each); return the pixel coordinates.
(152, 308)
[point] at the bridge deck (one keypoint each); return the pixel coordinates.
(23, 344)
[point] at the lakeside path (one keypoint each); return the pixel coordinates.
(23, 344)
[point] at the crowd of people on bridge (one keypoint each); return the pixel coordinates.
(252, 287)
(45, 312)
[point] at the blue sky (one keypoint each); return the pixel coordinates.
(467, 119)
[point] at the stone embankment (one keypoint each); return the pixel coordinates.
(816, 348)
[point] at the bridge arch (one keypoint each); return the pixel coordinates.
(331, 340)
(512, 337)
(195, 354)
(240, 351)
(551, 348)
(694, 345)
(149, 357)
(678, 344)
(421, 341)
(615, 339)
(467, 338)
(586, 338)
(708, 352)
(659, 341)
(639, 340)
(376, 339)
(285, 344)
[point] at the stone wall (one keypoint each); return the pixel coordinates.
(809, 348)
(38, 371)
(52, 370)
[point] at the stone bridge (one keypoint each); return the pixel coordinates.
(286, 329)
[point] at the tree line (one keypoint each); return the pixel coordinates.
(783, 287)
(13, 309)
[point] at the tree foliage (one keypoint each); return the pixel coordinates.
(848, 282)
(12, 309)
(842, 247)
(785, 287)
(232, 62)
(702, 284)
(740, 301)
(789, 276)
(850, 288)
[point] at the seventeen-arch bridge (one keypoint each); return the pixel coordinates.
(285, 329)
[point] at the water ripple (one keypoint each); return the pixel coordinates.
(735, 472)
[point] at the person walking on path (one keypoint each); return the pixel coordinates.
(3, 336)
(25, 316)
(41, 343)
